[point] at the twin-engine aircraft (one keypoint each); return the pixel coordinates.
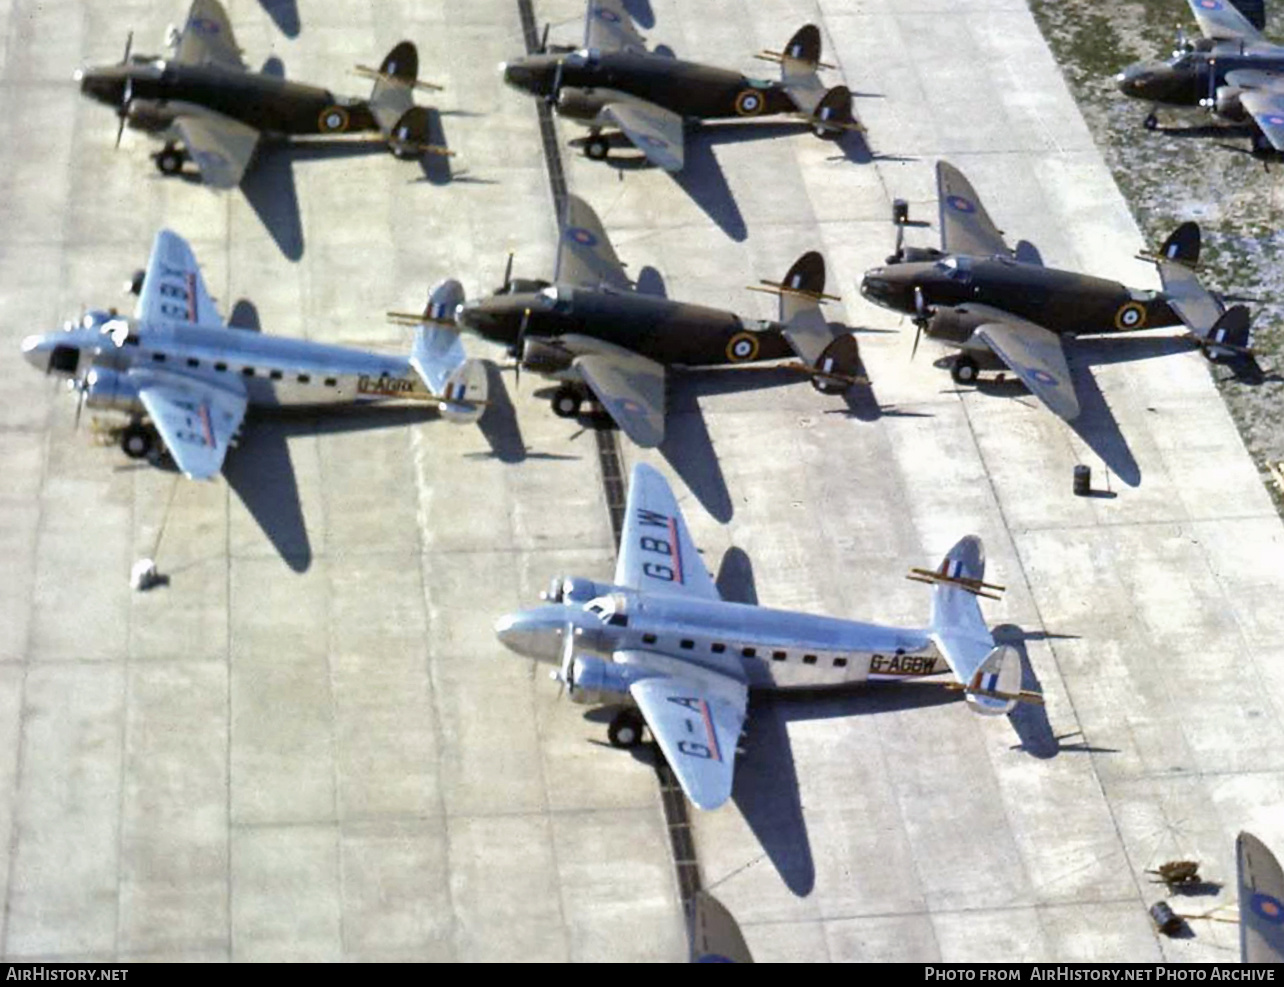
(179, 375)
(615, 82)
(590, 329)
(1232, 71)
(211, 110)
(659, 637)
(1002, 308)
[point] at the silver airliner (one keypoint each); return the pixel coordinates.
(179, 376)
(660, 638)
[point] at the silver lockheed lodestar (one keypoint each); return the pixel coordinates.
(660, 638)
(180, 376)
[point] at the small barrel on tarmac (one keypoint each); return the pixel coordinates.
(1166, 920)
(1082, 481)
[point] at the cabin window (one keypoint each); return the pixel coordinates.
(749, 652)
(809, 659)
(717, 649)
(220, 367)
(276, 375)
(158, 357)
(618, 620)
(687, 644)
(331, 382)
(648, 639)
(248, 371)
(304, 379)
(193, 362)
(778, 656)
(840, 662)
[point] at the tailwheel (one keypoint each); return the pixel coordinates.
(567, 401)
(170, 160)
(626, 729)
(964, 369)
(1151, 122)
(597, 148)
(137, 440)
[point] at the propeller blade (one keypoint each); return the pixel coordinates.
(1212, 85)
(918, 333)
(521, 347)
(556, 91)
(543, 41)
(120, 129)
(508, 272)
(567, 673)
(129, 47)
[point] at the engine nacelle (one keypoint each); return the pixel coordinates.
(543, 358)
(111, 390)
(580, 104)
(594, 681)
(149, 115)
(915, 255)
(1228, 104)
(573, 589)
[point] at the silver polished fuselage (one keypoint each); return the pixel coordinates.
(777, 649)
(275, 372)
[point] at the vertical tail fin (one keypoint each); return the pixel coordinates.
(834, 358)
(438, 357)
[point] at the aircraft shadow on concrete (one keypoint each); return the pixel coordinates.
(688, 450)
(284, 14)
(261, 472)
(640, 11)
(500, 427)
(245, 315)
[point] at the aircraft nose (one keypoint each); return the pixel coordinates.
(35, 350)
(1135, 79)
(515, 632)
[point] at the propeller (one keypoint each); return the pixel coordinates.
(508, 274)
(126, 98)
(129, 47)
(543, 41)
(1182, 44)
(1210, 101)
(920, 318)
(566, 674)
(81, 387)
(556, 91)
(520, 346)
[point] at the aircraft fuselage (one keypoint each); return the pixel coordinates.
(1184, 80)
(671, 333)
(777, 649)
(1065, 302)
(267, 103)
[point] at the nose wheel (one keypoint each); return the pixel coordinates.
(1151, 122)
(597, 148)
(626, 729)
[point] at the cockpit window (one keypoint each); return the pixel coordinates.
(595, 608)
(585, 57)
(955, 268)
(555, 299)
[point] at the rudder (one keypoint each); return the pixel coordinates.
(833, 115)
(1183, 244)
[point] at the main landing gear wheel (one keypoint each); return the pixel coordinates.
(1151, 122)
(626, 729)
(964, 369)
(136, 441)
(567, 402)
(170, 160)
(597, 149)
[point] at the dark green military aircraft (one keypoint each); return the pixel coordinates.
(1232, 71)
(590, 329)
(212, 111)
(1003, 308)
(614, 81)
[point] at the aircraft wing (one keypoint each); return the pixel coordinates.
(207, 38)
(585, 256)
(715, 933)
(630, 387)
(656, 551)
(1267, 109)
(195, 417)
(1261, 902)
(220, 146)
(656, 132)
(608, 27)
(173, 289)
(1035, 355)
(697, 724)
(966, 228)
(1220, 20)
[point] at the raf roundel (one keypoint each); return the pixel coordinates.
(1275, 120)
(749, 103)
(204, 25)
(333, 120)
(606, 14)
(742, 346)
(960, 204)
(581, 236)
(1211, 4)
(1042, 376)
(1130, 316)
(1267, 907)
